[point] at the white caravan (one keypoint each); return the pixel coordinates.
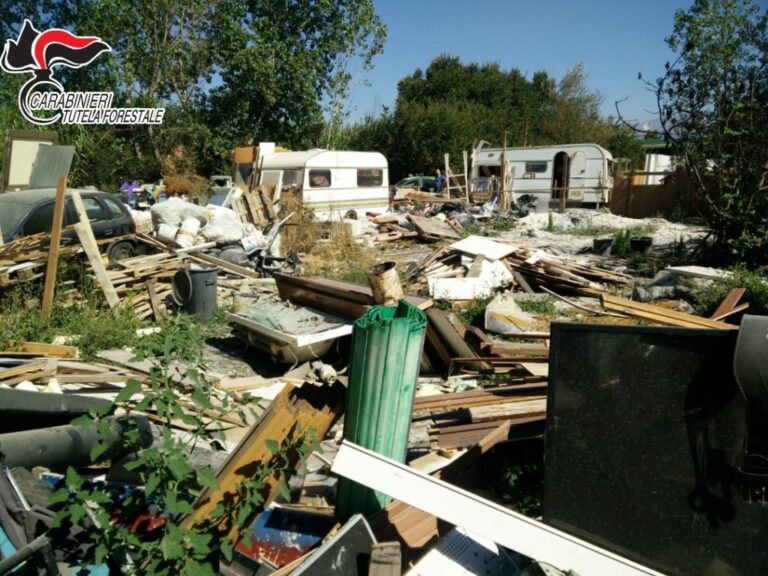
(581, 173)
(332, 183)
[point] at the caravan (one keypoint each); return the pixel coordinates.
(578, 174)
(332, 183)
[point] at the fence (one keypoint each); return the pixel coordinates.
(632, 198)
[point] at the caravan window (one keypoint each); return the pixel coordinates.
(367, 177)
(319, 178)
(537, 167)
(270, 177)
(291, 178)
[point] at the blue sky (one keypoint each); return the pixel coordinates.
(613, 40)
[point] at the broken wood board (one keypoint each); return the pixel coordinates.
(53, 254)
(307, 408)
(224, 265)
(88, 242)
(39, 349)
(528, 407)
(461, 508)
(481, 397)
(661, 315)
(344, 299)
(433, 229)
(729, 304)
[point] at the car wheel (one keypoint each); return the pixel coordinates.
(121, 251)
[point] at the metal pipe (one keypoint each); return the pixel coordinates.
(62, 446)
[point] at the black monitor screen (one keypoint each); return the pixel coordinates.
(644, 443)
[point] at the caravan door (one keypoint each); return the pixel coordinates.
(578, 176)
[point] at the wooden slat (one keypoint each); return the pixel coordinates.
(661, 315)
(729, 303)
(85, 234)
(40, 349)
(308, 407)
(53, 254)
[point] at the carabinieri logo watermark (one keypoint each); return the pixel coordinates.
(43, 100)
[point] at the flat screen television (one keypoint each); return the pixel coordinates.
(644, 442)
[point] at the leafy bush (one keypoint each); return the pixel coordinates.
(169, 481)
(755, 282)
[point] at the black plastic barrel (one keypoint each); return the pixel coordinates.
(194, 289)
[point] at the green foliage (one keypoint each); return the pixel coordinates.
(227, 72)
(538, 306)
(450, 105)
(713, 107)
(708, 297)
(472, 312)
(94, 326)
(517, 478)
(502, 223)
(471, 230)
(169, 481)
(620, 245)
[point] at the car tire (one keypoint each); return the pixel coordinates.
(121, 251)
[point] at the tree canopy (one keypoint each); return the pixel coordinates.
(228, 72)
(450, 106)
(713, 106)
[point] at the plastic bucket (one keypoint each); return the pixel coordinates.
(194, 289)
(167, 232)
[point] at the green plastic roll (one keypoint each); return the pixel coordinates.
(387, 343)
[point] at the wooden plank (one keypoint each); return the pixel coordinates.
(53, 254)
(732, 311)
(88, 241)
(224, 265)
(154, 300)
(520, 279)
(85, 234)
(385, 559)
(728, 304)
(25, 368)
(430, 228)
(476, 267)
(480, 516)
(661, 315)
(101, 378)
(41, 349)
(531, 407)
(305, 408)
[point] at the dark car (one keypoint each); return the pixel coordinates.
(27, 212)
(423, 183)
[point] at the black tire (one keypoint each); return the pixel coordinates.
(121, 251)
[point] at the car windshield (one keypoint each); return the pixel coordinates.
(11, 214)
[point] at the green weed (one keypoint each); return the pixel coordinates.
(707, 298)
(539, 306)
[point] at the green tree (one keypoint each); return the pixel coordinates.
(228, 72)
(574, 115)
(713, 106)
(278, 60)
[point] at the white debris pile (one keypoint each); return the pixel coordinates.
(573, 231)
(187, 224)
